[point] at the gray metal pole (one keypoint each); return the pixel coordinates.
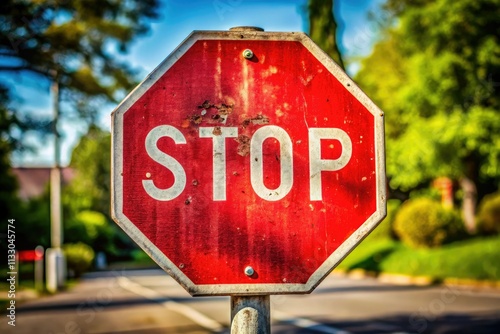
(55, 177)
(55, 260)
(250, 314)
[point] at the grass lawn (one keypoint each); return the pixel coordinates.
(477, 258)
(369, 254)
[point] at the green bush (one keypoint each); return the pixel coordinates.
(423, 222)
(385, 229)
(488, 217)
(79, 258)
(91, 228)
(475, 258)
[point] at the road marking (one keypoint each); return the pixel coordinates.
(307, 323)
(187, 311)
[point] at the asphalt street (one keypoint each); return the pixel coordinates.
(148, 301)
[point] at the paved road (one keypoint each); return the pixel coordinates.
(148, 301)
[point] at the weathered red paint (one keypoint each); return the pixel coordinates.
(213, 241)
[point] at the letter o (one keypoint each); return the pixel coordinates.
(257, 165)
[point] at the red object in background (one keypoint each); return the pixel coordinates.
(30, 255)
(445, 186)
(223, 162)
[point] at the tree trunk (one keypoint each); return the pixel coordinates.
(323, 28)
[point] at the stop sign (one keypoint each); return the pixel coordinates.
(248, 162)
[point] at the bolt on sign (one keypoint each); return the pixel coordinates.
(248, 163)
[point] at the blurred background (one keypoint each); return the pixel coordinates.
(433, 67)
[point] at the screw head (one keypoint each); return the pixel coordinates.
(249, 271)
(248, 54)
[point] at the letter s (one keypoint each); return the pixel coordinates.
(165, 160)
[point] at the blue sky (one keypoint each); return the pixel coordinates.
(178, 18)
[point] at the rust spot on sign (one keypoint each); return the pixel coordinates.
(214, 114)
(194, 119)
(217, 131)
(222, 109)
(257, 120)
(244, 145)
(197, 119)
(205, 105)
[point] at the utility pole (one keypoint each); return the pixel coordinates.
(56, 264)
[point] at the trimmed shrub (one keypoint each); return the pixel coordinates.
(423, 222)
(79, 258)
(488, 217)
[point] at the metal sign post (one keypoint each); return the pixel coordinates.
(55, 260)
(248, 164)
(250, 314)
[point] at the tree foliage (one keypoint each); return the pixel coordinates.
(86, 200)
(436, 74)
(91, 159)
(8, 183)
(92, 228)
(73, 42)
(76, 43)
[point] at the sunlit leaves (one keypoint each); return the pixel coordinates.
(437, 77)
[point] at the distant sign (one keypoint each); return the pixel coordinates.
(31, 255)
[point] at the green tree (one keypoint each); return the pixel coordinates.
(33, 218)
(436, 75)
(73, 42)
(8, 185)
(87, 199)
(90, 160)
(323, 28)
(92, 228)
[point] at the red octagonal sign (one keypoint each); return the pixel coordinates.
(248, 163)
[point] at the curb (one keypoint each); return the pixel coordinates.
(399, 279)
(471, 282)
